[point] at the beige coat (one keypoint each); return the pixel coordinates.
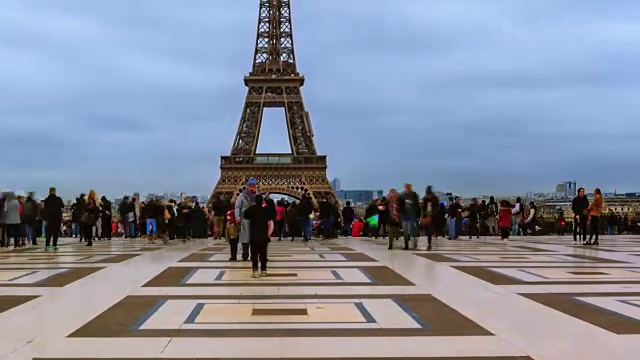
(595, 209)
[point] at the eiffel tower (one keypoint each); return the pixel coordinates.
(274, 82)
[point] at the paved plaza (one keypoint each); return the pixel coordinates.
(532, 298)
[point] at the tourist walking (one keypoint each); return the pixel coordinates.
(430, 206)
(258, 217)
(245, 200)
(454, 213)
(395, 217)
(30, 219)
(281, 213)
(52, 214)
(11, 219)
(517, 212)
(232, 235)
(532, 219)
(90, 216)
(580, 206)
(409, 204)
(492, 216)
(105, 214)
(504, 219)
(595, 210)
(348, 216)
(219, 208)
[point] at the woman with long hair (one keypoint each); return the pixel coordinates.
(595, 210)
(90, 216)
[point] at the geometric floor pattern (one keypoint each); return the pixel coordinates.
(530, 298)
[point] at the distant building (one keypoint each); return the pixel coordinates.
(618, 205)
(359, 196)
(571, 189)
(335, 184)
(566, 190)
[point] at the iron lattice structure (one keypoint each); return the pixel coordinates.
(274, 82)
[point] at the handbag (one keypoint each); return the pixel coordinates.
(87, 219)
(425, 221)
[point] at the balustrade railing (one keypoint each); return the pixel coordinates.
(275, 159)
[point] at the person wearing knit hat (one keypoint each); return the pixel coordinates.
(245, 200)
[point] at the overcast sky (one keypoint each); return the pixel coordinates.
(491, 96)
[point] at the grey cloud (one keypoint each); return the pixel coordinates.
(498, 96)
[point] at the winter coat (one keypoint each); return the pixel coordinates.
(504, 218)
(11, 210)
(245, 200)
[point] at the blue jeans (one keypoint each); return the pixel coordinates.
(409, 228)
(452, 227)
(74, 229)
(347, 228)
(515, 225)
(306, 227)
(44, 227)
(152, 227)
(31, 233)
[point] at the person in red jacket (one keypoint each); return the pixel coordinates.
(504, 219)
(357, 228)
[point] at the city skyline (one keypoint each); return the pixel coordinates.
(502, 98)
(550, 192)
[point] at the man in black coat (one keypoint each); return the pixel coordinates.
(106, 217)
(579, 206)
(52, 213)
(259, 217)
(409, 206)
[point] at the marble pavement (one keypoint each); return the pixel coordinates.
(531, 298)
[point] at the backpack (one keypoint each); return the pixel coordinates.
(492, 210)
(30, 208)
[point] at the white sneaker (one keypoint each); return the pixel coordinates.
(263, 274)
(255, 275)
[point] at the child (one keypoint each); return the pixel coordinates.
(504, 219)
(232, 235)
(259, 217)
(561, 225)
(357, 228)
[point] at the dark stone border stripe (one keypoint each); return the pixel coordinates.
(293, 249)
(485, 274)
(446, 258)
(481, 248)
(609, 249)
(601, 317)
(120, 319)
(306, 358)
(114, 259)
(8, 302)
(379, 276)
(350, 257)
(81, 247)
(62, 279)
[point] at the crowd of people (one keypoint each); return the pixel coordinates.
(398, 214)
(23, 220)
